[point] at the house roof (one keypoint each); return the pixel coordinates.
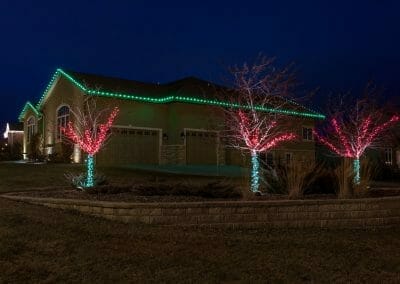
(28, 106)
(16, 126)
(116, 85)
(187, 90)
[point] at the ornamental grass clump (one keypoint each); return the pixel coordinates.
(300, 174)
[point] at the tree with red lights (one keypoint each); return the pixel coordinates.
(257, 121)
(355, 124)
(89, 132)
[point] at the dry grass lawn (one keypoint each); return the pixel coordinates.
(24, 177)
(39, 244)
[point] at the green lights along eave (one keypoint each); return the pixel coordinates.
(168, 99)
(27, 106)
(55, 76)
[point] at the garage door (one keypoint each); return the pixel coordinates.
(131, 146)
(201, 147)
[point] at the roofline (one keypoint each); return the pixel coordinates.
(166, 99)
(25, 109)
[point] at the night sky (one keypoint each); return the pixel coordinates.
(336, 46)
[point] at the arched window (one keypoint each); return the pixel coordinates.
(31, 128)
(62, 119)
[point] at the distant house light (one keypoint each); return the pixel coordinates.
(7, 130)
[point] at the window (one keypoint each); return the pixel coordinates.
(388, 156)
(307, 134)
(62, 120)
(30, 128)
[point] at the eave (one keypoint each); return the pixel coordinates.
(166, 99)
(28, 106)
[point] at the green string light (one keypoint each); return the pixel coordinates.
(27, 106)
(356, 170)
(90, 171)
(169, 99)
(255, 175)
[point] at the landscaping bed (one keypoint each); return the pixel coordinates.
(160, 192)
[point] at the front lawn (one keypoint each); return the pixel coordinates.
(39, 244)
(23, 177)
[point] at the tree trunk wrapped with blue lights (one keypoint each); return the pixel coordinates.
(255, 172)
(356, 171)
(90, 171)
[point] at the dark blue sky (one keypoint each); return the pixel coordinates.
(337, 45)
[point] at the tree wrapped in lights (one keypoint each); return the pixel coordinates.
(90, 134)
(355, 124)
(256, 87)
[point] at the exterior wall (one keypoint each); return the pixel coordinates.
(137, 114)
(26, 148)
(173, 154)
(192, 116)
(300, 149)
(15, 137)
(63, 93)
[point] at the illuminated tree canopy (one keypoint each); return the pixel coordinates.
(354, 125)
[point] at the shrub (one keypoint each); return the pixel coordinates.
(208, 190)
(272, 179)
(78, 180)
(299, 175)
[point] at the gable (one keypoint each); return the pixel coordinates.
(28, 107)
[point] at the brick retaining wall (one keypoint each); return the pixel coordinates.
(349, 213)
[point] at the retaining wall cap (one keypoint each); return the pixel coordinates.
(261, 203)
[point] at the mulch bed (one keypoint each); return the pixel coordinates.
(118, 197)
(179, 193)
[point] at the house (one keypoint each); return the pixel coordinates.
(14, 133)
(174, 123)
(391, 150)
(12, 141)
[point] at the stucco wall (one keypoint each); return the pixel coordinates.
(26, 149)
(63, 93)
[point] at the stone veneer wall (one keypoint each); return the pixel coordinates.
(176, 154)
(221, 154)
(350, 213)
(173, 154)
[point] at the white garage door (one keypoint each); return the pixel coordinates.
(131, 146)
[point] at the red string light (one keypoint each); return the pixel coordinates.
(352, 144)
(260, 141)
(92, 139)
